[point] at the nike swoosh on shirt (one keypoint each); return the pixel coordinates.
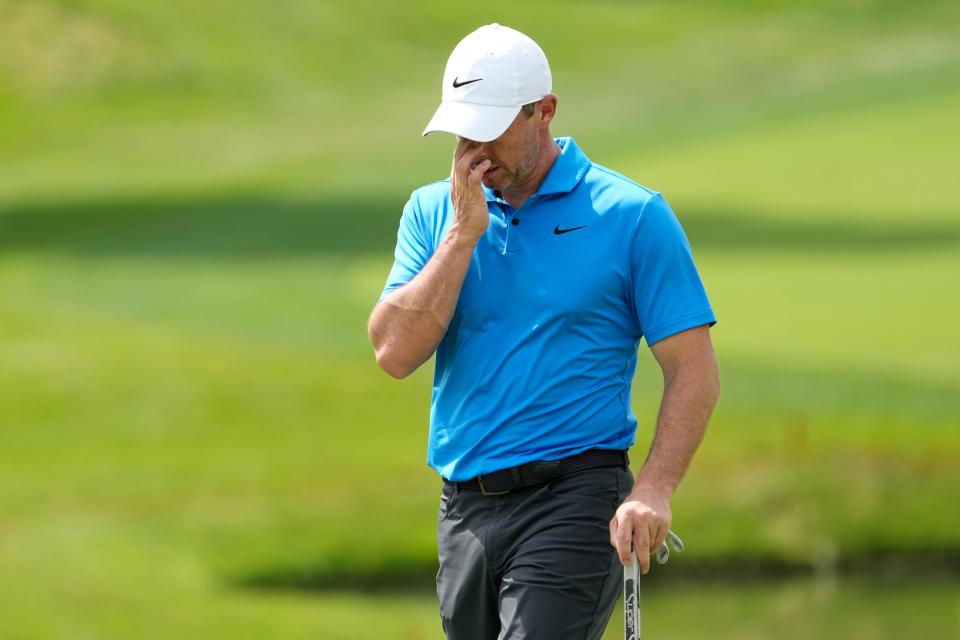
(460, 84)
(557, 230)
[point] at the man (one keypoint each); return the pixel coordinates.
(533, 273)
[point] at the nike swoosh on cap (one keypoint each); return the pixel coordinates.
(460, 84)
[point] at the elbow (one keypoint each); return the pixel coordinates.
(396, 362)
(714, 383)
(394, 366)
(388, 359)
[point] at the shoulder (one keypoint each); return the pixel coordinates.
(611, 189)
(428, 208)
(431, 195)
(427, 205)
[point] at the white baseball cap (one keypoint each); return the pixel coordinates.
(491, 74)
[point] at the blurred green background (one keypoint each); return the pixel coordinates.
(198, 206)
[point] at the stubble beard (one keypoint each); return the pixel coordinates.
(522, 176)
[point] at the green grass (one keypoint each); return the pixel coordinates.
(882, 163)
(197, 213)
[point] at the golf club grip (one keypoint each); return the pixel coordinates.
(631, 599)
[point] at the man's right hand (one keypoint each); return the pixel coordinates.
(466, 191)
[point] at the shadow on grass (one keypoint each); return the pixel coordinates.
(407, 576)
(203, 227)
(252, 227)
(396, 574)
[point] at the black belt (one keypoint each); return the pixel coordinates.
(532, 473)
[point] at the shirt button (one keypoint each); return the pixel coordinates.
(516, 221)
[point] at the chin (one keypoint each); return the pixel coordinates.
(494, 183)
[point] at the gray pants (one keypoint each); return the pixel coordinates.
(534, 564)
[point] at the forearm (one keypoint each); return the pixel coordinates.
(689, 397)
(407, 325)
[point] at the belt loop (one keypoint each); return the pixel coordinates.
(626, 460)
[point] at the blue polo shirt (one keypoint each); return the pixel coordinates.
(542, 347)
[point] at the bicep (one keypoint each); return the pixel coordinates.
(689, 348)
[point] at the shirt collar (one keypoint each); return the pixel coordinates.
(567, 171)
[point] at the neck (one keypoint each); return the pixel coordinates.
(518, 194)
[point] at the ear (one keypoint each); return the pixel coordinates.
(547, 109)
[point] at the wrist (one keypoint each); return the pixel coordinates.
(462, 238)
(647, 484)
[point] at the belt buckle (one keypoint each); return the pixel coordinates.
(484, 491)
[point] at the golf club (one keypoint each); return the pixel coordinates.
(631, 585)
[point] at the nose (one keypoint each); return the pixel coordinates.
(481, 155)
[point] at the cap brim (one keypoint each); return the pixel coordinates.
(478, 122)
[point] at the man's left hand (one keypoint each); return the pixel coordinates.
(643, 519)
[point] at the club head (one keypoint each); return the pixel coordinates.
(672, 540)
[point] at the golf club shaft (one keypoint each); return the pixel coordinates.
(631, 599)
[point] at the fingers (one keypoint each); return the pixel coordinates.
(463, 155)
(462, 169)
(641, 542)
(657, 537)
(464, 145)
(621, 538)
(645, 536)
(476, 176)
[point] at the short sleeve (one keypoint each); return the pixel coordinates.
(412, 252)
(668, 295)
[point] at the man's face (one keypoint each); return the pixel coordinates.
(513, 155)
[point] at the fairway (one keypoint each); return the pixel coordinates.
(195, 440)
